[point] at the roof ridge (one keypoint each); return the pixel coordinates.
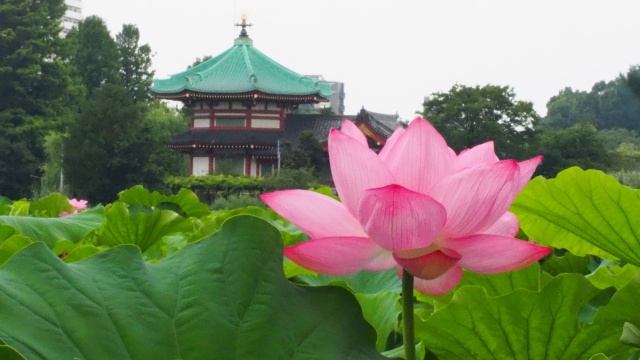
(252, 78)
(204, 73)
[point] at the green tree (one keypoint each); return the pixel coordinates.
(632, 80)
(615, 105)
(199, 61)
(468, 116)
(106, 145)
(308, 154)
(95, 54)
(33, 87)
(135, 63)
(580, 145)
(161, 124)
(52, 174)
(116, 143)
(567, 109)
(609, 105)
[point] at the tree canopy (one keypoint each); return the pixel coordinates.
(32, 90)
(135, 63)
(580, 145)
(105, 147)
(468, 116)
(609, 104)
(95, 55)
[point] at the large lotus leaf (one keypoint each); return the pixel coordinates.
(378, 294)
(7, 231)
(381, 310)
(623, 306)
(585, 212)
(630, 335)
(12, 245)
(51, 206)
(7, 353)
(567, 263)
(607, 275)
(141, 229)
(289, 232)
(5, 205)
(528, 325)
(363, 282)
(224, 297)
(530, 278)
(292, 269)
(51, 230)
(505, 283)
(80, 252)
(20, 208)
(186, 201)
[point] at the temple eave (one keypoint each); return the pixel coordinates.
(187, 95)
(221, 146)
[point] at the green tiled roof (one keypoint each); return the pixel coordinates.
(240, 70)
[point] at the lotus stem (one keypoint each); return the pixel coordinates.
(407, 316)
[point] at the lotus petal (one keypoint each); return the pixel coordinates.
(476, 197)
(355, 168)
(334, 255)
(317, 215)
(399, 219)
(420, 157)
(440, 285)
(491, 254)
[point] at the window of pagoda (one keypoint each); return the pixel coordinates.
(235, 115)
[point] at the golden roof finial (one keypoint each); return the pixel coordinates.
(244, 26)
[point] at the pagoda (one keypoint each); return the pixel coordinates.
(242, 106)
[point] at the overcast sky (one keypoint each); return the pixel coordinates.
(391, 54)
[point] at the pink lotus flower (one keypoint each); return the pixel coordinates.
(416, 205)
(78, 205)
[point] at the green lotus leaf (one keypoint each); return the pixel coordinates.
(630, 335)
(381, 310)
(363, 282)
(378, 294)
(12, 245)
(292, 269)
(505, 283)
(185, 202)
(51, 230)
(5, 205)
(289, 232)
(399, 352)
(530, 278)
(51, 206)
(585, 212)
(224, 297)
(20, 208)
(7, 353)
(140, 229)
(529, 325)
(167, 246)
(80, 252)
(7, 231)
(608, 274)
(567, 263)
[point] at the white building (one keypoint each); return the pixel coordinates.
(73, 15)
(336, 101)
